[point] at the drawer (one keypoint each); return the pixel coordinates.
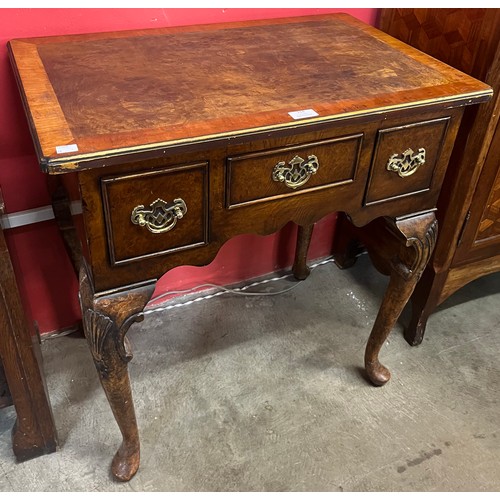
(277, 173)
(404, 160)
(152, 213)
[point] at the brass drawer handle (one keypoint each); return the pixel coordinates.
(298, 173)
(161, 216)
(407, 163)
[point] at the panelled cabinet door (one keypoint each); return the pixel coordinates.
(481, 236)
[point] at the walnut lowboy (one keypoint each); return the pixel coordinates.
(182, 138)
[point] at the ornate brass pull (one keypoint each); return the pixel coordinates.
(407, 163)
(298, 173)
(161, 216)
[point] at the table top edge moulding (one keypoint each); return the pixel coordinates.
(55, 141)
(182, 138)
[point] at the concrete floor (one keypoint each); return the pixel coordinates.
(267, 393)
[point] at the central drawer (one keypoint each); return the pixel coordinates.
(277, 173)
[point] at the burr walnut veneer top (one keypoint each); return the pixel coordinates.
(101, 94)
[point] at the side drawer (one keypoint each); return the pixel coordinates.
(152, 213)
(277, 173)
(404, 159)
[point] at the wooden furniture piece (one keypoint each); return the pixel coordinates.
(182, 138)
(34, 432)
(468, 246)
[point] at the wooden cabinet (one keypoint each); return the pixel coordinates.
(468, 244)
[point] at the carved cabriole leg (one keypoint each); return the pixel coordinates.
(300, 268)
(106, 321)
(417, 236)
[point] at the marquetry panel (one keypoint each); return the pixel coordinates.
(455, 36)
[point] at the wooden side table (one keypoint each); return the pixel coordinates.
(34, 432)
(183, 138)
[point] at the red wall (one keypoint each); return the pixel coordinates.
(45, 276)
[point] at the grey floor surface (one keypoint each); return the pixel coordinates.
(267, 394)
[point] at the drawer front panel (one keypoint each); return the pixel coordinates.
(152, 213)
(277, 173)
(404, 160)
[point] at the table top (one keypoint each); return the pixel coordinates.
(92, 95)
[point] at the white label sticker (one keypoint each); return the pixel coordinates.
(69, 148)
(303, 113)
